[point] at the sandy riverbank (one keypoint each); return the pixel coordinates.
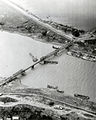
(38, 104)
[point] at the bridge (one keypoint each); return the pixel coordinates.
(42, 59)
(50, 55)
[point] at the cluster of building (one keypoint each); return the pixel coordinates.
(81, 55)
(10, 118)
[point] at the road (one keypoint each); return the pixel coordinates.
(33, 17)
(55, 100)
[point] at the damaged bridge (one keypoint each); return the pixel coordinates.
(43, 59)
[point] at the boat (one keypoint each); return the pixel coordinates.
(52, 87)
(54, 47)
(1, 94)
(60, 91)
(50, 62)
(83, 97)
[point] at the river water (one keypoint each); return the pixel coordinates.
(72, 75)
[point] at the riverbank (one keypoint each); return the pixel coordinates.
(38, 104)
(69, 69)
(74, 76)
(81, 55)
(50, 32)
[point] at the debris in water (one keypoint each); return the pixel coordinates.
(34, 59)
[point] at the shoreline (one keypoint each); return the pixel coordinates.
(34, 27)
(44, 100)
(74, 53)
(51, 103)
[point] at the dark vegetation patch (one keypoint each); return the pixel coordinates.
(26, 112)
(7, 99)
(88, 115)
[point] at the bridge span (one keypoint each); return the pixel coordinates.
(42, 59)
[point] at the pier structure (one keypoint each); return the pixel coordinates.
(22, 72)
(43, 59)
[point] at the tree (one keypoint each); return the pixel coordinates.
(75, 33)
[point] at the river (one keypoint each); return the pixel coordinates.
(72, 75)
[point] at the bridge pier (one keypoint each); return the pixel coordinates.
(45, 62)
(32, 67)
(23, 73)
(42, 61)
(55, 54)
